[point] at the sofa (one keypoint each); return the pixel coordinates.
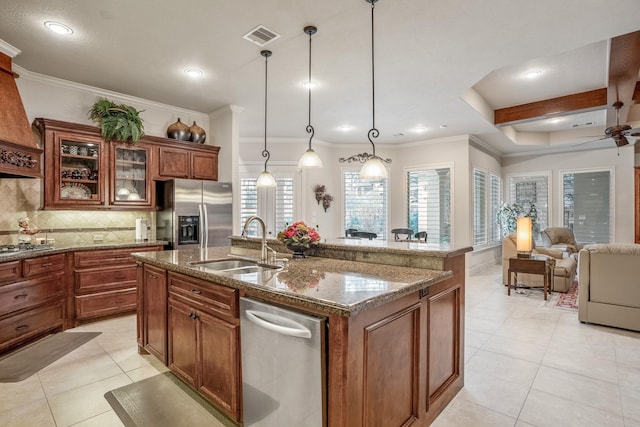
(609, 285)
(560, 238)
(564, 272)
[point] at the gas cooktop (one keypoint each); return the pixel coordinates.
(12, 249)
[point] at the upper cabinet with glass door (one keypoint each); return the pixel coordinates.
(130, 183)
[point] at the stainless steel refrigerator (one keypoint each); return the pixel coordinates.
(193, 213)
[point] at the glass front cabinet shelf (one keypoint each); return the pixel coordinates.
(130, 178)
(77, 172)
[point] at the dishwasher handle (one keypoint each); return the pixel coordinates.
(278, 324)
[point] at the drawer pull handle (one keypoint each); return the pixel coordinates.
(22, 328)
(153, 276)
(119, 301)
(48, 264)
(195, 291)
(21, 296)
(119, 276)
(193, 316)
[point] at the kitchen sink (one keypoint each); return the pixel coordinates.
(233, 266)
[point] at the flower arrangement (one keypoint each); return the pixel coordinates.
(299, 234)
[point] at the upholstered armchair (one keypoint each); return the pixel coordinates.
(560, 238)
(564, 272)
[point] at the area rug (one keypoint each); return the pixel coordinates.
(23, 363)
(567, 301)
(163, 401)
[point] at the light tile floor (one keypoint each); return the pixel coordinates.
(526, 365)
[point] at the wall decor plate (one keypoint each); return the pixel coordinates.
(75, 190)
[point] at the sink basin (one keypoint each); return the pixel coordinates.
(233, 266)
(226, 264)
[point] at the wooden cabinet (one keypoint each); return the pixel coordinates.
(195, 161)
(204, 339)
(152, 315)
(32, 296)
(130, 175)
(104, 282)
(82, 171)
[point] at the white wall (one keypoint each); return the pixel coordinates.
(622, 162)
(52, 98)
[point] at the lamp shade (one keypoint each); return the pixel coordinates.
(524, 240)
(265, 180)
(373, 169)
(310, 160)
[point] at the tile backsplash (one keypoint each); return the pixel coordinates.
(22, 197)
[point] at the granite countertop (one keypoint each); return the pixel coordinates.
(57, 249)
(334, 286)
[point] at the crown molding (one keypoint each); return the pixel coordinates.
(8, 49)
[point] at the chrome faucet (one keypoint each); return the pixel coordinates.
(267, 255)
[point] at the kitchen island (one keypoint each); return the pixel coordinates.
(395, 315)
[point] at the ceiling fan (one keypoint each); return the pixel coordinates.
(619, 133)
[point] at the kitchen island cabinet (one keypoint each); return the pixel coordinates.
(395, 341)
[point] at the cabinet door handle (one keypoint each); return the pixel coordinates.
(22, 328)
(195, 291)
(45, 265)
(153, 276)
(20, 296)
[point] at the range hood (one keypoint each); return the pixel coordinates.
(20, 156)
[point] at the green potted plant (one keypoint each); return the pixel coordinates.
(118, 122)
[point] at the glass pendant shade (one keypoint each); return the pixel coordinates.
(265, 180)
(373, 169)
(310, 160)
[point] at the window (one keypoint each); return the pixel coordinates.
(429, 203)
(365, 203)
(528, 189)
(587, 207)
(487, 189)
(275, 206)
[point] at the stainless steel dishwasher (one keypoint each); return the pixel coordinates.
(283, 366)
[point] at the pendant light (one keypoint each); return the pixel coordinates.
(265, 179)
(373, 167)
(310, 159)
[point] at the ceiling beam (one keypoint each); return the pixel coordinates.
(624, 63)
(569, 104)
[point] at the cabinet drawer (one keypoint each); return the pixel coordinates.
(31, 323)
(103, 258)
(30, 293)
(103, 279)
(106, 303)
(208, 296)
(10, 271)
(42, 265)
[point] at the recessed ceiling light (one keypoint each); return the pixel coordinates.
(533, 74)
(193, 72)
(58, 28)
(309, 85)
(443, 126)
(420, 129)
(556, 120)
(346, 128)
(399, 134)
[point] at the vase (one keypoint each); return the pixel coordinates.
(198, 134)
(179, 131)
(298, 250)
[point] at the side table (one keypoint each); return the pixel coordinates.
(533, 265)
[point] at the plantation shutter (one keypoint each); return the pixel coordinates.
(248, 203)
(494, 206)
(429, 204)
(284, 203)
(479, 207)
(365, 204)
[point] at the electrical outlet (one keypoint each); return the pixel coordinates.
(98, 237)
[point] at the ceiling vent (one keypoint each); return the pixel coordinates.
(261, 35)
